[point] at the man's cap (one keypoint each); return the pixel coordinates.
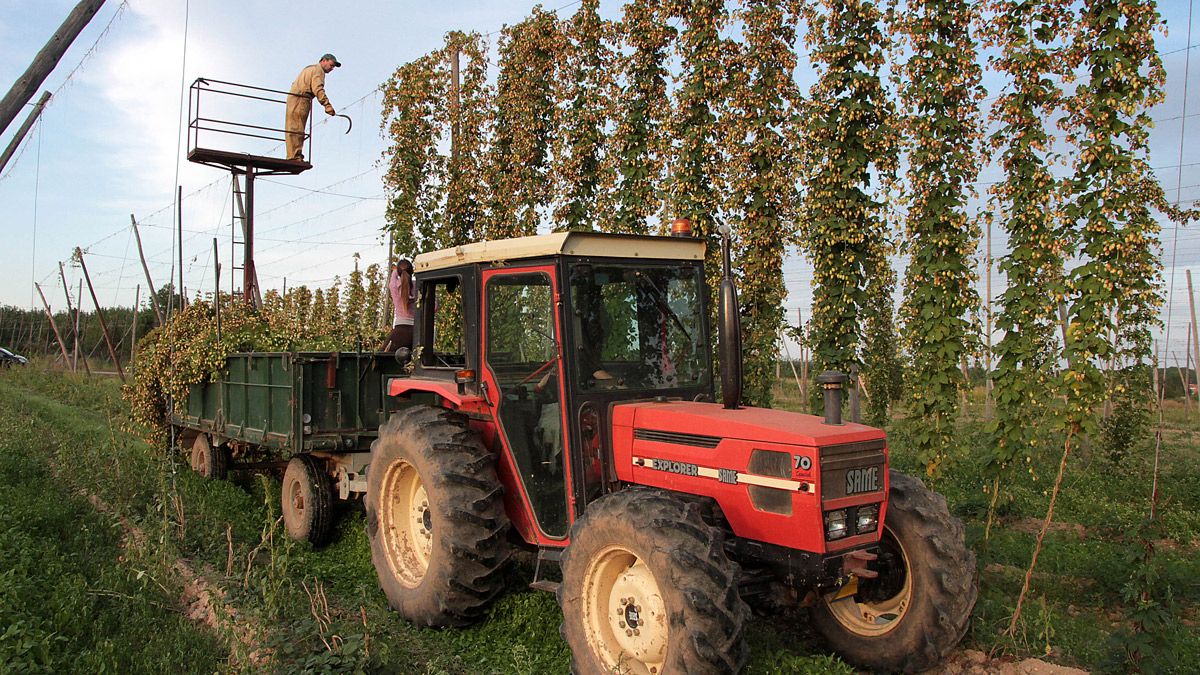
(331, 57)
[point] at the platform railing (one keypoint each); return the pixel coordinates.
(209, 130)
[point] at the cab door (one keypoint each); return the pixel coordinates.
(522, 373)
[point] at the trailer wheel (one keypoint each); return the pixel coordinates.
(435, 518)
(207, 460)
(647, 589)
(307, 499)
(918, 608)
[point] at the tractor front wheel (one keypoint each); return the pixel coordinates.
(435, 518)
(307, 497)
(911, 616)
(647, 589)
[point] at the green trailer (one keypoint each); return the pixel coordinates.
(316, 413)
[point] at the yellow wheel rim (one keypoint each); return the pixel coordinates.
(296, 498)
(406, 523)
(879, 617)
(200, 451)
(624, 615)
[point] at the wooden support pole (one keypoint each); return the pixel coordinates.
(71, 317)
(25, 127)
(1186, 374)
(855, 406)
(78, 317)
(217, 287)
(100, 315)
(137, 300)
(387, 294)
(987, 375)
(46, 59)
(158, 315)
(805, 354)
(455, 108)
(787, 351)
(1195, 334)
(179, 223)
(1187, 397)
(57, 335)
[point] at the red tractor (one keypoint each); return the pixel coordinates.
(567, 393)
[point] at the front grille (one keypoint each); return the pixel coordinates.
(837, 460)
(695, 440)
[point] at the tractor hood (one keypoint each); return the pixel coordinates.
(710, 423)
(772, 473)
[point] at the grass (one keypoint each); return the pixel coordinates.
(64, 437)
(73, 599)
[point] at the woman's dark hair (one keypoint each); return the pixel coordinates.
(404, 269)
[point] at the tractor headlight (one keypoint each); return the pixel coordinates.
(835, 524)
(868, 519)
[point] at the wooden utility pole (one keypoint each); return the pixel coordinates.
(1187, 397)
(1195, 335)
(100, 315)
(455, 109)
(387, 291)
(45, 61)
(137, 300)
(1062, 323)
(79, 315)
(25, 127)
(217, 287)
(987, 376)
(803, 360)
(57, 335)
(72, 317)
(158, 315)
(179, 222)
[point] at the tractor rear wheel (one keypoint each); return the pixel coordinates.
(435, 518)
(918, 608)
(208, 460)
(647, 589)
(307, 498)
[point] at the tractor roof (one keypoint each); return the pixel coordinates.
(592, 244)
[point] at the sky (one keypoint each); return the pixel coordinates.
(109, 144)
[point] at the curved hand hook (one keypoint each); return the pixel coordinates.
(351, 126)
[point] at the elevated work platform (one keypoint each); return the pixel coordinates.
(241, 128)
(261, 165)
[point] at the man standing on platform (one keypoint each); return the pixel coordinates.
(309, 84)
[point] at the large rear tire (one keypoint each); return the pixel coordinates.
(435, 518)
(208, 460)
(307, 500)
(917, 610)
(647, 589)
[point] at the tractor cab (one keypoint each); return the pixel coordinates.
(544, 335)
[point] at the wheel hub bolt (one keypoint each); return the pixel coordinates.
(628, 633)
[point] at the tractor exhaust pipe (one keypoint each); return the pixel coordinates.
(729, 330)
(832, 383)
